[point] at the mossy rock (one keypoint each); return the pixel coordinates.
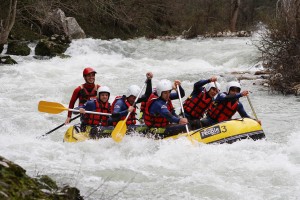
(15, 184)
(18, 48)
(50, 48)
(47, 182)
(7, 60)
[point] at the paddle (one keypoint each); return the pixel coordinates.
(59, 126)
(253, 111)
(55, 108)
(120, 130)
(182, 110)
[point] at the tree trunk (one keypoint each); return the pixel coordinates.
(297, 18)
(234, 15)
(7, 24)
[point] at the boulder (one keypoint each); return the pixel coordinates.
(74, 31)
(296, 89)
(7, 60)
(18, 48)
(59, 24)
(50, 48)
(15, 184)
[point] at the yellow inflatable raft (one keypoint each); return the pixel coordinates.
(224, 132)
(227, 132)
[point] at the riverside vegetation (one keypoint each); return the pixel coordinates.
(30, 20)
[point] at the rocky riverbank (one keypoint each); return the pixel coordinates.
(15, 184)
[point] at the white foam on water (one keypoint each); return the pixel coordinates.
(140, 168)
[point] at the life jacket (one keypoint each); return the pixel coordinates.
(196, 106)
(143, 106)
(85, 95)
(156, 120)
(93, 119)
(131, 118)
(142, 110)
(223, 111)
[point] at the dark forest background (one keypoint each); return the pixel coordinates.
(107, 19)
(125, 19)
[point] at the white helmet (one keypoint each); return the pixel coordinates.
(212, 85)
(163, 85)
(233, 84)
(103, 89)
(133, 90)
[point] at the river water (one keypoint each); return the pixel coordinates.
(140, 168)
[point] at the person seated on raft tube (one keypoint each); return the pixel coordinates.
(143, 104)
(225, 105)
(100, 104)
(159, 111)
(200, 100)
(123, 104)
(84, 92)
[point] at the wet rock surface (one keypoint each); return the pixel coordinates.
(15, 184)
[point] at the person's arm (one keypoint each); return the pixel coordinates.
(182, 92)
(220, 97)
(236, 96)
(120, 108)
(227, 97)
(89, 105)
(174, 95)
(161, 108)
(147, 94)
(148, 91)
(199, 85)
(73, 100)
(242, 111)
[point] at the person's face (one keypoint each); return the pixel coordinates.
(103, 97)
(90, 78)
(213, 92)
(165, 95)
(234, 90)
(131, 99)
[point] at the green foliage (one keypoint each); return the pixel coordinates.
(280, 47)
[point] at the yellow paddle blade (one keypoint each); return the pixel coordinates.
(119, 131)
(51, 107)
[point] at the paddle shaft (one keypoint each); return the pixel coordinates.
(90, 112)
(248, 98)
(178, 90)
(59, 126)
